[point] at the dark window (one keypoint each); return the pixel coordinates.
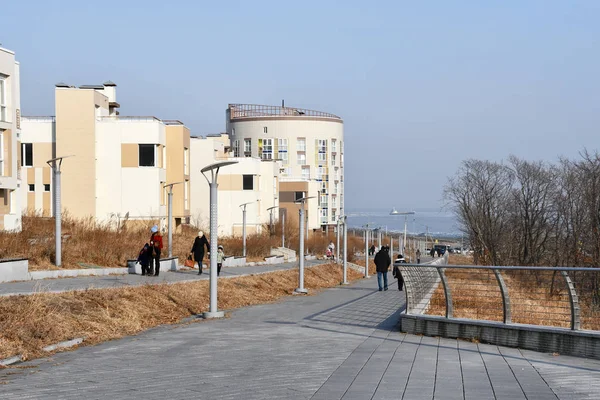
(46, 187)
(32, 188)
(248, 182)
(27, 155)
(264, 129)
(298, 195)
(146, 155)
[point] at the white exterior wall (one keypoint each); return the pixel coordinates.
(10, 68)
(292, 129)
(202, 153)
(127, 190)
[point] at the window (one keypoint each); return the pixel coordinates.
(322, 157)
(333, 159)
(306, 173)
(322, 145)
(3, 98)
(282, 149)
(323, 213)
(46, 187)
(301, 159)
(236, 148)
(264, 129)
(323, 200)
(321, 173)
(287, 171)
(1, 152)
(248, 182)
(332, 215)
(186, 199)
(298, 195)
(301, 144)
(335, 188)
(147, 156)
(267, 149)
(323, 187)
(232, 132)
(27, 154)
(333, 145)
(247, 147)
(31, 187)
(186, 153)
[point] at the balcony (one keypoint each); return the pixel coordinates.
(241, 111)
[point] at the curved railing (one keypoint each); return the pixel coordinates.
(545, 296)
(238, 111)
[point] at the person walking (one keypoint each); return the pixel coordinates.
(330, 251)
(198, 249)
(382, 264)
(144, 259)
(397, 273)
(418, 254)
(156, 246)
(220, 258)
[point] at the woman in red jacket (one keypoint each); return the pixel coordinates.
(156, 245)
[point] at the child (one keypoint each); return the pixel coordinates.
(144, 259)
(220, 257)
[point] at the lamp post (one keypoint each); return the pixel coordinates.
(301, 289)
(270, 210)
(170, 186)
(283, 229)
(243, 207)
(55, 164)
(212, 182)
(337, 234)
(406, 213)
(367, 251)
(345, 282)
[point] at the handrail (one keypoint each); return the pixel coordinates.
(548, 296)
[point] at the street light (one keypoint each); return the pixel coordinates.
(214, 172)
(243, 206)
(337, 234)
(55, 164)
(366, 250)
(406, 213)
(300, 289)
(170, 186)
(345, 282)
(270, 210)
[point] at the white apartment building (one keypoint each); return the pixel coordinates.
(251, 181)
(118, 166)
(309, 144)
(10, 132)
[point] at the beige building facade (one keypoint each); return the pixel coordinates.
(117, 167)
(10, 138)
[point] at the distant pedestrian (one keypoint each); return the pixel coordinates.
(432, 253)
(144, 258)
(372, 250)
(220, 258)
(418, 254)
(156, 245)
(330, 250)
(397, 273)
(198, 249)
(382, 264)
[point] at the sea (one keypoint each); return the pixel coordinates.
(438, 223)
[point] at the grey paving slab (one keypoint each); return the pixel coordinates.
(116, 281)
(342, 343)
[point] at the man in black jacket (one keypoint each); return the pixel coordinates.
(198, 249)
(382, 262)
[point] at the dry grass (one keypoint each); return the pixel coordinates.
(29, 323)
(90, 244)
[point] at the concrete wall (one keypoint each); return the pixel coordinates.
(14, 270)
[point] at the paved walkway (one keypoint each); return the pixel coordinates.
(342, 343)
(113, 281)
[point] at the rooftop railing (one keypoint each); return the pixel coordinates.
(239, 111)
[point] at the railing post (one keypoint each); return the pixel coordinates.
(574, 300)
(505, 298)
(447, 292)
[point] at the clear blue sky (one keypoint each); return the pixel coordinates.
(421, 85)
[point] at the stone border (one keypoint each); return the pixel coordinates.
(530, 337)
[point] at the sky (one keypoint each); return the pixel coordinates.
(420, 86)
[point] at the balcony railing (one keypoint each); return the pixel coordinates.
(240, 111)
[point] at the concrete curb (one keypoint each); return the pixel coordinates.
(12, 360)
(72, 273)
(63, 345)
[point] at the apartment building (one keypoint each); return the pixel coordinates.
(251, 181)
(117, 166)
(10, 132)
(309, 144)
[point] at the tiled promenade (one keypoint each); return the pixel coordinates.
(340, 343)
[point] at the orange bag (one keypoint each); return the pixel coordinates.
(189, 262)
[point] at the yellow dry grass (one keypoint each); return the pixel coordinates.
(29, 323)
